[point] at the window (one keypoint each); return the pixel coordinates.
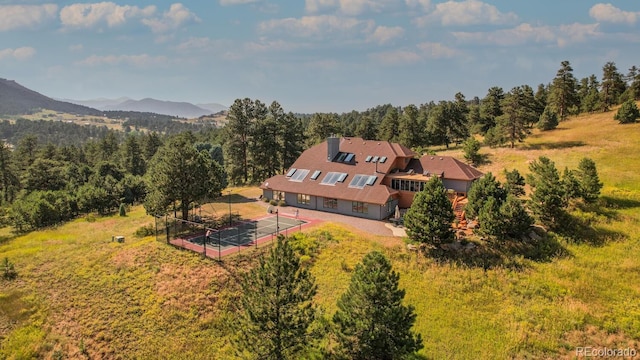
(341, 157)
(278, 195)
(342, 177)
(359, 181)
(407, 185)
(330, 203)
(375, 159)
(349, 157)
(299, 175)
(389, 206)
(372, 179)
(315, 174)
(304, 199)
(382, 160)
(291, 172)
(368, 159)
(359, 207)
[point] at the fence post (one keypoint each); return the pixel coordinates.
(204, 242)
(219, 246)
(238, 237)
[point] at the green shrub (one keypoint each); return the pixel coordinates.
(8, 270)
(282, 203)
(266, 199)
(273, 202)
(122, 210)
(145, 231)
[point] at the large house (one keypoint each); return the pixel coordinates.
(364, 178)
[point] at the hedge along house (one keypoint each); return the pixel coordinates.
(363, 178)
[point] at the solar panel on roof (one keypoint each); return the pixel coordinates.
(375, 159)
(354, 182)
(359, 181)
(315, 174)
(382, 159)
(291, 172)
(332, 177)
(299, 175)
(368, 158)
(349, 157)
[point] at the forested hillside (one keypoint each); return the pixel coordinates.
(15, 99)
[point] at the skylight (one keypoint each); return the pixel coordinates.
(291, 172)
(359, 181)
(341, 157)
(368, 159)
(375, 159)
(349, 157)
(382, 159)
(332, 177)
(299, 175)
(315, 174)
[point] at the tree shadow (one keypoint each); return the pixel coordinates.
(580, 230)
(553, 145)
(483, 159)
(618, 203)
(490, 254)
(7, 238)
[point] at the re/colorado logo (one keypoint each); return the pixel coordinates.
(605, 352)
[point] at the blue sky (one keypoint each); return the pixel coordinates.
(313, 55)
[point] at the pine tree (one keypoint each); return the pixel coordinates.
(587, 176)
(517, 114)
(388, 130)
(408, 127)
(292, 140)
(490, 108)
(548, 120)
(481, 190)
(371, 321)
(490, 219)
(547, 200)
(563, 95)
(471, 147)
(366, 128)
(628, 112)
(517, 221)
(431, 215)
(515, 183)
(277, 307)
(321, 126)
(238, 130)
(612, 86)
(9, 179)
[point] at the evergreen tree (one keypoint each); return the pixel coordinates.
(490, 219)
(321, 126)
(541, 97)
(490, 108)
(517, 114)
(628, 112)
(388, 130)
(181, 173)
(590, 97)
(132, 157)
(633, 80)
(474, 120)
(292, 140)
(277, 307)
(264, 148)
(563, 95)
(431, 215)
(515, 183)
(371, 321)
(587, 176)
(547, 200)
(471, 148)
(366, 128)
(517, 221)
(570, 185)
(481, 190)
(150, 144)
(612, 85)
(242, 115)
(408, 127)
(9, 179)
(548, 120)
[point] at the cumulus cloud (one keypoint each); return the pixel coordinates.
(21, 53)
(175, 17)
(111, 14)
(141, 60)
(562, 35)
(424, 4)
(348, 7)
(317, 26)
(25, 16)
(423, 51)
(610, 13)
(468, 12)
(384, 34)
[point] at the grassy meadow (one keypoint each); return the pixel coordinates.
(80, 295)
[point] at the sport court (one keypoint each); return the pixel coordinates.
(231, 239)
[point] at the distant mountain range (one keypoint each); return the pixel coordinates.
(179, 109)
(16, 99)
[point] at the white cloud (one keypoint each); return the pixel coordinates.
(21, 53)
(141, 60)
(468, 12)
(396, 57)
(76, 47)
(610, 13)
(237, 2)
(111, 14)
(317, 26)
(264, 45)
(433, 50)
(384, 34)
(425, 4)
(25, 16)
(526, 33)
(348, 7)
(175, 17)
